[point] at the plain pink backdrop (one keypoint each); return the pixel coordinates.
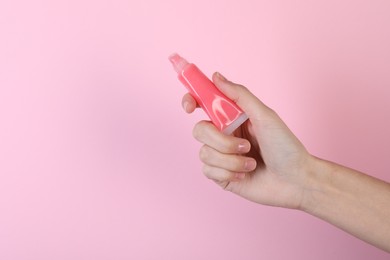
(97, 160)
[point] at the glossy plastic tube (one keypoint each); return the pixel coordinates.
(223, 112)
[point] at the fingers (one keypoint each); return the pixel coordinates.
(223, 155)
(216, 168)
(206, 133)
(248, 102)
(252, 106)
(229, 162)
(221, 175)
(188, 103)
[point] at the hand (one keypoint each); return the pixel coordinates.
(262, 161)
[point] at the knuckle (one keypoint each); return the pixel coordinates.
(242, 87)
(272, 112)
(195, 132)
(204, 153)
(206, 171)
(238, 164)
(198, 132)
(227, 186)
(229, 147)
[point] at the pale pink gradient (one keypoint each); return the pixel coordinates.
(97, 160)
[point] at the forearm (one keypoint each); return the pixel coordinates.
(350, 200)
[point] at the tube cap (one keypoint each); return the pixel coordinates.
(178, 62)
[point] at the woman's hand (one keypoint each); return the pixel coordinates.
(262, 161)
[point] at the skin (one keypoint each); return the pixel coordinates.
(264, 162)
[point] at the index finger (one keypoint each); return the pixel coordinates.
(206, 133)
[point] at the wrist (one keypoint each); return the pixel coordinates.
(318, 184)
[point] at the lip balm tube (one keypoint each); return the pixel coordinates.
(222, 111)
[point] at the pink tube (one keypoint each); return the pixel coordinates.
(223, 112)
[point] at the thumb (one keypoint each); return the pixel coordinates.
(249, 103)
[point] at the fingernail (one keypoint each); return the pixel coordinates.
(221, 77)
(239, 175)
(243, 148)
(250, 165)
(185, 105)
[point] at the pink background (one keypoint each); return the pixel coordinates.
(97, 160)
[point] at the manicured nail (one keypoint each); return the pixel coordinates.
(239, 175)
(221, 77)
(243, 148)
(185, 105)
(250, 165)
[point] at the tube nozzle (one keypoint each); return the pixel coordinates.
(178, 62)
